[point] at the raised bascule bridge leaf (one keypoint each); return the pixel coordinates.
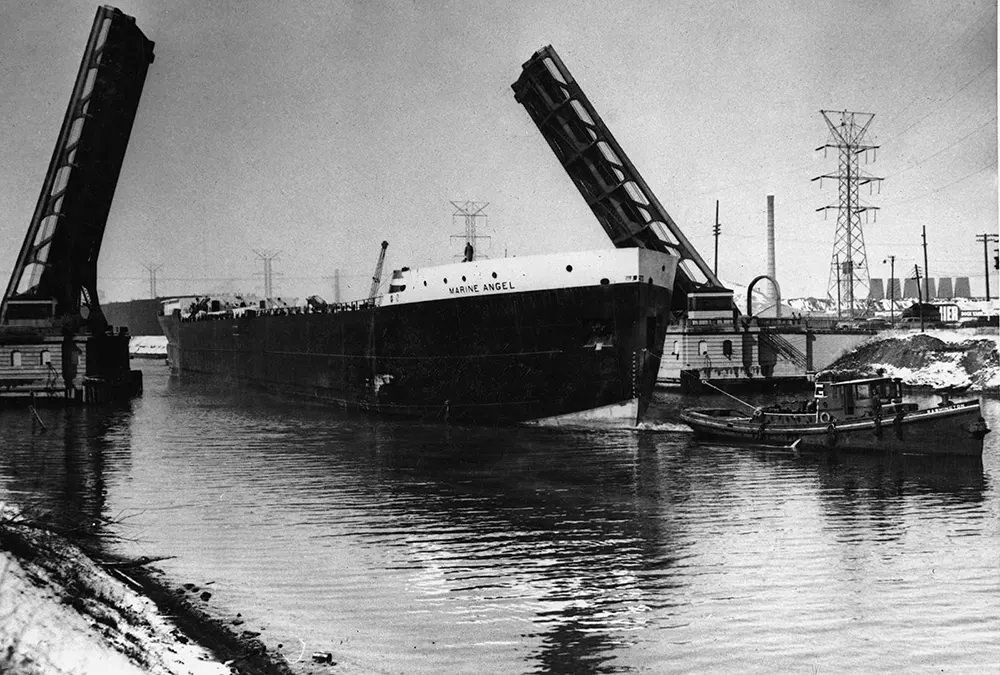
(54, 281)
(621, 200)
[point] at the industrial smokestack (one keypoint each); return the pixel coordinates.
(772, 295)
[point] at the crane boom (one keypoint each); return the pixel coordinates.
(55, 276)
(628, 210)
(377, 277)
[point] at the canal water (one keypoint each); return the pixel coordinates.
(409, 548)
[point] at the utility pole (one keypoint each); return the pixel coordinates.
(920, 297)
(268, 256)
(848, 135)
(715, 231)
(927, 290)
(152, 268)
(986, 239)
(892, 289)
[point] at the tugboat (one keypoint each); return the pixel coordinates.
(864, 414)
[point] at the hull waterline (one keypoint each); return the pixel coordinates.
(582, 355)
(955, 429)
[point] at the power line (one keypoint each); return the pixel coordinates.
(977, 24)
(988, 123)
(991, 165)
(989, 66)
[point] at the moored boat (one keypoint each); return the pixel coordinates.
(865, 414)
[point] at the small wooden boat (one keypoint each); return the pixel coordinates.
(865, 414)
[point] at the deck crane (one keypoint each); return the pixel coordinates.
(377, 277)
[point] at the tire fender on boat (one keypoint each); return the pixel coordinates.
(831, 433)
(825, 417)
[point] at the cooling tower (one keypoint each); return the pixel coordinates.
(944, 290)
(876, 291)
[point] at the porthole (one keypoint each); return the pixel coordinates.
(463, 278)
(494, 275)
(569, 268)
(605, 281)
(446, 279)
(425, 283)
(663, 268)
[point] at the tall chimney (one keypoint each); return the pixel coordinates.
(772, 295)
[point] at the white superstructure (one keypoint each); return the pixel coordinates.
(531, 273)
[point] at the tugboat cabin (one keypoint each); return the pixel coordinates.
(859, 398)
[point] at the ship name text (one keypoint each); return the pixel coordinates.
(493, 287)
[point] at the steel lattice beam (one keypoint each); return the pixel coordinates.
(55, 275)
(849, 279)
(614, 190)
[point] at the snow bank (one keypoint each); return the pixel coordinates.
(62, 613)
(958, 358)
(148, 346)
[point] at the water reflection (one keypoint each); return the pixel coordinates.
(422, 548)
(59, 472)
(516, 533)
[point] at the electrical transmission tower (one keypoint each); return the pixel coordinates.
(268, 257)
(152, 268)
(469, 212)
(848, 135)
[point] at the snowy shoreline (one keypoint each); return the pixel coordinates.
(67, 610)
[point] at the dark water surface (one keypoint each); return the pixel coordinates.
(408, 548)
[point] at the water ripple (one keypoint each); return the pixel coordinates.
(417, 548)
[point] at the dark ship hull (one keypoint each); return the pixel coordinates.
(484, 352)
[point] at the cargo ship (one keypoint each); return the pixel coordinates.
(565, 338)
(554, 339)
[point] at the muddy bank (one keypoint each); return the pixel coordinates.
(64, 609)
(935, 359)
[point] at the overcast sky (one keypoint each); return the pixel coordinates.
(321, 128)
